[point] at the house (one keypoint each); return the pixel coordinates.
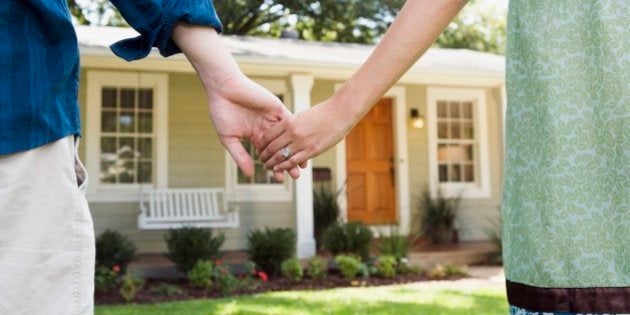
(146, 126)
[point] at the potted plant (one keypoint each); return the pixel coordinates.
(437, 215)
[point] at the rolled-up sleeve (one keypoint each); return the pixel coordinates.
(155, 20)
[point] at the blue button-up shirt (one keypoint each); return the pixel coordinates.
(39, 61)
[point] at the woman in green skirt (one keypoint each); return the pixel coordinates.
(566, 200)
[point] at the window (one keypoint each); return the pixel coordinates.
(261, 186)
(125, 134)
(458, 142)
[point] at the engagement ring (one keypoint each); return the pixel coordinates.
(286, 152)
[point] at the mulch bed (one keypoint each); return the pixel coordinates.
(274, 284)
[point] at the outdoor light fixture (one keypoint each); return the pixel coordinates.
(417, 120)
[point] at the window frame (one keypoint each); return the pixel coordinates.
(480, 188)
(96, 81)
(259, 192)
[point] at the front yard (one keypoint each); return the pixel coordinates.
(465, 296)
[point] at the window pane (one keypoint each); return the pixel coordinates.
(469, 173)
(442, 153)
(108, 172)
(126, 148)
(127, 98)
(454, 110)
(468, 153)
(441, 106)
(126, 122)
(127, 172)
(145, 122)
(145, 98)
(108, 121)
(456, 130)
(260, 174)
(468, 131)
(242, 179)
(108, 145)
(443, 170)
(442, 130)
(108, 97)
(145, 172)
(467, 110)
(145, 148)
(454, 173)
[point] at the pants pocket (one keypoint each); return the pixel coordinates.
(79, 168)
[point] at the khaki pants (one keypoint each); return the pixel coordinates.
(46, 232)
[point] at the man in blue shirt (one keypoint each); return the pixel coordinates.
(46, 232)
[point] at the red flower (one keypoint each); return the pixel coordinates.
(116, 268)
(263, 276)
(218, 262)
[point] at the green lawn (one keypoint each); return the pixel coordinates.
(397, 300)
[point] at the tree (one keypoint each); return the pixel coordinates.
(95, 12)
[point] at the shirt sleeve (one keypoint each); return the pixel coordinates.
(155, 20)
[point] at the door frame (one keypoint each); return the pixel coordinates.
(399, 117)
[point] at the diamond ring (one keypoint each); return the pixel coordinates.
(286, 152)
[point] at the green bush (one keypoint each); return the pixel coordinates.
(325, 211)
(445, 271)
(386, 266)
(268, 248)
(225, 280)
(317, 268)
(104, 278)
(348, 265)
(131, 285)
(351, 238)
(394, 245)
(188, 245)
(292, 269)
(165, 289)
(114, 249)
(404, 268)
(437, 216)
(201, 274)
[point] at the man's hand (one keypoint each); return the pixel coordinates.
(240, 109)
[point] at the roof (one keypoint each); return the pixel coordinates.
(96, 41)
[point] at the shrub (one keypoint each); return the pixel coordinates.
(292, 269)
(114, 249)
(445, 271)
(386, 266)
(317, 268)
(325, 211)
(188, 245)
(437, 216)
(394, 245)
(104, 278)
(249, 269)
(351, 238)
(493, 232)
(348, 265)
(404, 268)
(165, 289)
(225, 280)
(268, 248)
(131, 285)
(201, 274)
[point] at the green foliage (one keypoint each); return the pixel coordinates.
(292, 269)
(394, 245)
(350, 238)
(317, 268)
(476, 28)
(188, 245)
(201, 274)
(268, 248)
(165, 289)
(386, 266)
(131, 285)
(349, 265)
(404, 268)
(436, 216)
(96, 12)
(114, 249)
(325, 211)
(494, 234)
(225, 280)
(104, 278)
(445, 271)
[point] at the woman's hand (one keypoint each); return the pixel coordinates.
(305, 134)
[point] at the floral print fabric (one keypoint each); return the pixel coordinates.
(566, 203)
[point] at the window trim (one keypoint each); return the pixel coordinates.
(259, 192)
(96, 80)
(481, 187)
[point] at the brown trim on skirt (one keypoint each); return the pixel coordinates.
(576, 300)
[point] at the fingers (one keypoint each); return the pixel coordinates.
(274, 147)
(240, 156)
(279, 176)
(294, 173)
(276, 158)
(299, 158)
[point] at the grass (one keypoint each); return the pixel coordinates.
(398, 299)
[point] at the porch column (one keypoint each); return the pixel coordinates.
(302, 85)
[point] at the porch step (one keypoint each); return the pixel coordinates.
(466, 253)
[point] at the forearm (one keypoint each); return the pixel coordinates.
(207, 54)
(416, 28)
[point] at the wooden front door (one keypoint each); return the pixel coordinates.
(370, 166)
